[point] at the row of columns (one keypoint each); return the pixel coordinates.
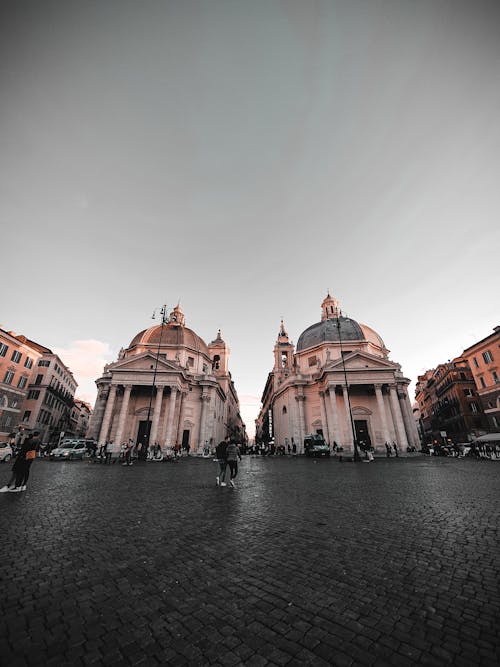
(168, 423)
(332, 418)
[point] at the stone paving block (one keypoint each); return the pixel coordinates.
(391, 578)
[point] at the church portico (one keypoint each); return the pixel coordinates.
(343, 384)
(161, 387)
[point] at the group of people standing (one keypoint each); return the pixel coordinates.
(21, 468)
(227, 455)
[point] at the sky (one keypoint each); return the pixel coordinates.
(245, 157)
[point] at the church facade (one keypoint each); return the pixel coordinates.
(168, 386)
(339, 382)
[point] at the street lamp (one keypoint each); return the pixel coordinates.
(355, 443)
(145, 445)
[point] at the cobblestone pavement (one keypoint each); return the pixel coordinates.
(304, 563)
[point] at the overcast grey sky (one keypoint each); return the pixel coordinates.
(246, 156)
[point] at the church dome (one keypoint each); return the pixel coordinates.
(174, 335)
(334, 327)
(327, 331)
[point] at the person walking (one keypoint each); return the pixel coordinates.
(232, 456)
(395, 447)
(220, 453)
(387, 449)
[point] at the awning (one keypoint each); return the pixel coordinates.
(489, 437)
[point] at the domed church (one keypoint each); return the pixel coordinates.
(170, 384)
(338, 382)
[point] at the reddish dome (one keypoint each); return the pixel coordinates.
(173, 335)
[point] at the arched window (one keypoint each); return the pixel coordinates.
(216, 364)
(284, 410)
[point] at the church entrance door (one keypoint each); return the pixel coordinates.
(142, 433)
(362, 434)
(185, 439)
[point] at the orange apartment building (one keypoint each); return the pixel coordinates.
(18, 357)
(484, 361)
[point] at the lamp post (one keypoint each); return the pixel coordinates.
(145, 444)
(354, 440)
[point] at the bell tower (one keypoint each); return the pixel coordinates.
(283, 352)
(219, 353)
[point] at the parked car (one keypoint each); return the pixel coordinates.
(6, 452)
(314, 445)
(69, 451)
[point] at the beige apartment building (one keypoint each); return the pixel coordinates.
(50, 398)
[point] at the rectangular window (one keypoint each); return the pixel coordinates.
(312, 361)
(488, 357)
(496, 379)
(482, 381)
(9, 376)
(475, 362)
(22, 382)
(44, 362)
(190, 362)
(28, 363)
(473, 407)
(3, 349)
(16, 356)
(33, 394)
(27, 415)
(468, 392)
(39, 379)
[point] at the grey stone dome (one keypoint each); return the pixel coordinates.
(327, 331)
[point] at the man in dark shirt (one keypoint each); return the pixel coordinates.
(220, 453)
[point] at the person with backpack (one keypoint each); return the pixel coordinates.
(232, 456)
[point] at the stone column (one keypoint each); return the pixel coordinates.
(345, 393)
(324, 416)
(153, 436)
(300, 400)
(408, 420)
(398, 418)
(205, 400)
(123, 413)
(97, 416)
(382, 412)
(335, 430)
(170, 418)
(103, 435)
(180, 421)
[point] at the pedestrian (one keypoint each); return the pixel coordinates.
(127, 453)
(22, 464)
(388, 449)
(395, 448)
(220, 453)
(232, 456)
(294, 449)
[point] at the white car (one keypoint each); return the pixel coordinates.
(5, 451)
(69, 451)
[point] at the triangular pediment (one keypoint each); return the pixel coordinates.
(143, 362)
(361, 361)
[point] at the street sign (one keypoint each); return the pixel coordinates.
(443, 434)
